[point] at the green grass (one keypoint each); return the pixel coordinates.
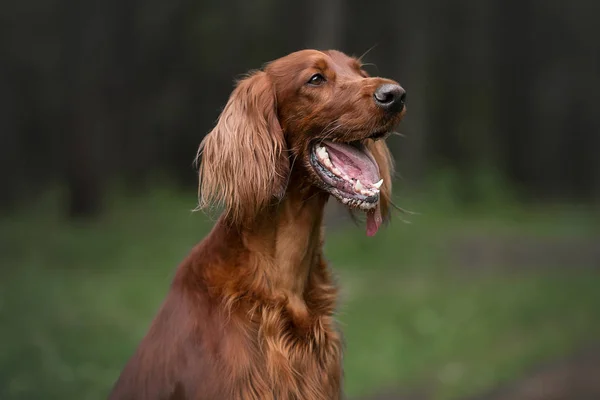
(76, 299)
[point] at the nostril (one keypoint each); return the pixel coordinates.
(384, 97)
(390, 97)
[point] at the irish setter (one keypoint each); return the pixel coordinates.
(250, 312)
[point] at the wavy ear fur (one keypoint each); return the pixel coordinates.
(384, 159)
(244, 162)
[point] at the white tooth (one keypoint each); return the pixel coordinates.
(358, 186)
(378, 184)
(336, 171)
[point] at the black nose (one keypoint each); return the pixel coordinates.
(390, 97)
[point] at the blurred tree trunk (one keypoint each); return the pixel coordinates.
(84, 179)
(327, 26)
(125, 73)
(472, 95)
(513, 72)
(582, 129)
(448, 140)
(9, 138)
(412, 38)
(83, 60)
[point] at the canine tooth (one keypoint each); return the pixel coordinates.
(358, 186)
(377, 185)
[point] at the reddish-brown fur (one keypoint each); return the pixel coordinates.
(250, 313)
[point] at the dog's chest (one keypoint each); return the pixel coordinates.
(277, 361)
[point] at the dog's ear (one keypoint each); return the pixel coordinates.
(383, 157)
(244, 161)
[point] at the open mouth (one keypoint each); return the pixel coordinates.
(350, 173)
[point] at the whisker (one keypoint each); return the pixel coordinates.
(330, 132)
(367, 52)
(372, 65)
(402, 210)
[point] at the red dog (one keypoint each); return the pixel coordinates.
(250, 313)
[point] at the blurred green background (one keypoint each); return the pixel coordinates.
(490, 278)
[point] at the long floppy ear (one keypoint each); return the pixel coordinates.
(244, 162)
(384, 159)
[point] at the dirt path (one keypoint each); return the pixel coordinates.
(574, 378)
(518, 252)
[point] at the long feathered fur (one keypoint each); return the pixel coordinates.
(244, 166)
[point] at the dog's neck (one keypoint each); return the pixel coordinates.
(288, 236)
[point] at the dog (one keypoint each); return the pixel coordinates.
(250, 311)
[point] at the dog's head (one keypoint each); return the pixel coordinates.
(316, 112)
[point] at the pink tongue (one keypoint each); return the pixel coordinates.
(373, 221)
(356, 163)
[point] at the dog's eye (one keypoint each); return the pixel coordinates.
(316, 80)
